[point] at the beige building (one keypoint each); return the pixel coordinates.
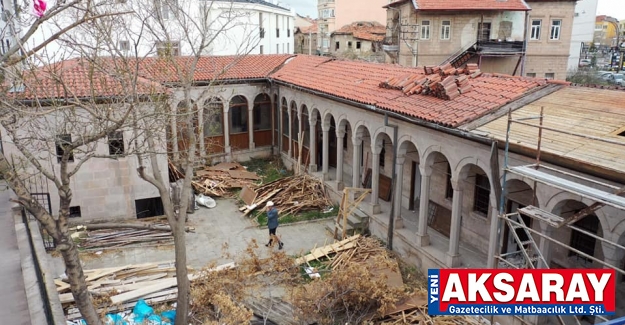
(491, 33)
(434, 157)
(359, 40)
(306, 39)
(606, 30)
(334, 14)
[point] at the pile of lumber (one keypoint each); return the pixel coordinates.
(222, 179)
(124, 286)
(99, 239)
(414, 310)
(291, 195)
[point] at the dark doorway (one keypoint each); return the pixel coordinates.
(483, 31)
(415, 186)
(150, 207)
(332, 144)
(509, 242)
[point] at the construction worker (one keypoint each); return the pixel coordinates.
(272, 224)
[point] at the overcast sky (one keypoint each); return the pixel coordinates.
(306, 7)
(614, 8)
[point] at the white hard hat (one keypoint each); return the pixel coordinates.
(269, 204)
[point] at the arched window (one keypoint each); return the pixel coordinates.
(213, 117)
(238, 115)
(262, 112)
(285, 118)
(295, 122)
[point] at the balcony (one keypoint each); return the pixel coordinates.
(390, 44)
(499, 48)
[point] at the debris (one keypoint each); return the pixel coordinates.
(115, 235)
(205, 201)
(248, 195)
(292, 195)
(220, 180)
(325, 251)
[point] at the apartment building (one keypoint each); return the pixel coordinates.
(192, 27)
(583, 31)
(606, 31)
(514, 37)
(334, 14)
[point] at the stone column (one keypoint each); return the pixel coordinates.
(227, 148)
(326, 150)
(313, 144)
(250, 126)
(290, 152)
(375, 176)
(453, 255)
(339, 159)
(544, 245)
(399, 173)
(423, 239)
(494, 238)
(356, 162)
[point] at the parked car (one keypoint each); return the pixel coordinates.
(604, 75)
(584, 63)
(617, 79)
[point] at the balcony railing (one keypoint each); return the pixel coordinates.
(389, 44)
(499, 47)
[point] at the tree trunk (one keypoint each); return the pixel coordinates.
(78, 286)
(180, 248)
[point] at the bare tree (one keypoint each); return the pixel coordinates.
(169, 28)
(40, 106)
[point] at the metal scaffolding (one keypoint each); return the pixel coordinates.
(529, 254)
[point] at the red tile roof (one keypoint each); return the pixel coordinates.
(367, 30)
(80, 78)
(363, 82)
(312, 29)
(508, 5)
(210, 68)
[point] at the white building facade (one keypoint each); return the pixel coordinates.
(583, 30)
(186, 27)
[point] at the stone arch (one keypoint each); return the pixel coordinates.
(520, 191)
(556, 199)
(359, 128)
(430, 152)
(387, 130)
(566, 207)
(462, 172)
(326, 118)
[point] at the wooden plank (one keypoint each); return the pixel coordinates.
(248, 195)
(163, 284)
(226, 166)
(321, 251)
(60, 285)
(244, 174)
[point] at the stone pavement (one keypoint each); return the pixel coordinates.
(223, 224)
(14, 309)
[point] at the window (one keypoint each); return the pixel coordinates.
(213, 117)
(358, 45)
(262, 50)
(425, 29)
(583, 242)
(556, 24)
(262, 112)
(124, 46)
(482, 194)
(531, 74)
(449, 191)
(260, 25)
(285, 119)
(62, 142)
(288, 48)
(151, 207)
(238, 115)
(167, 48)
(337, 45)
(326, 42)
(535, 31)
(277, 48)
(349, 44)
(445, 29)
(278, 32)
(116, 143)
(163, 8)
(288, 27)
(74, 212)
(277, 26)
(550, 75)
